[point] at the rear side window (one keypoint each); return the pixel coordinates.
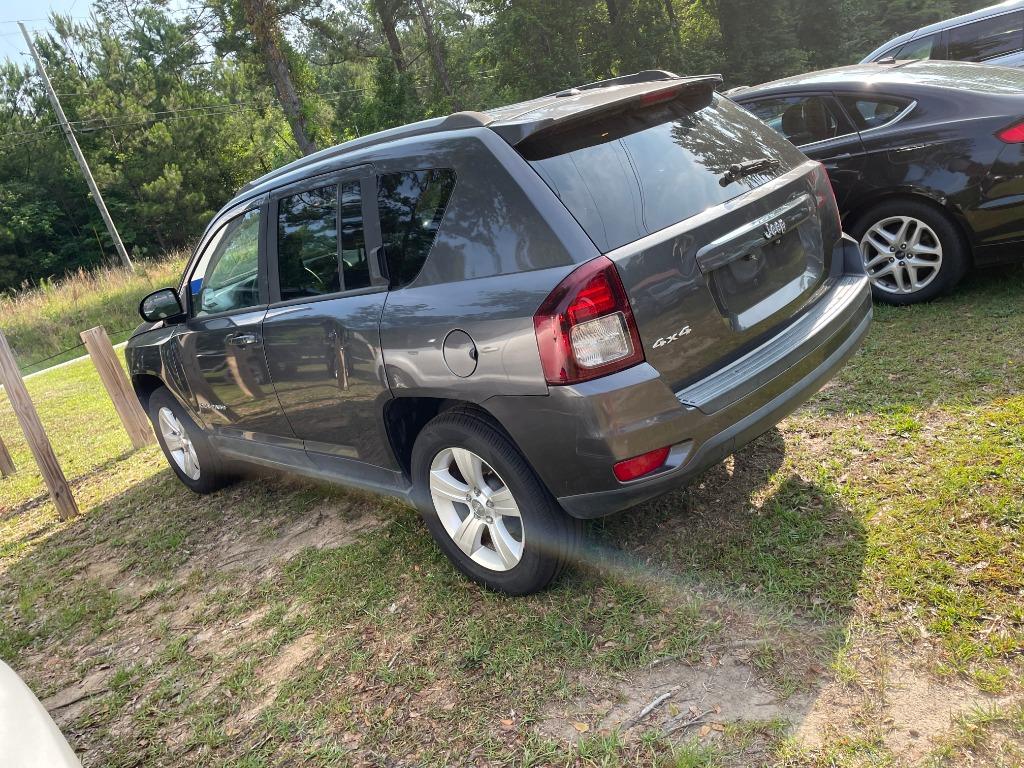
(307, 243)
(411, 206)
(987, 38)
(873, 111)
(632, 173)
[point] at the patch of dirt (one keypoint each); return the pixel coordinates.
(892, 697)
(898, 700)
(69, 703)
(325, 526)
(281, 668)
(685, 698)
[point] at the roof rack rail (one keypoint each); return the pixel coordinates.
(453, 122)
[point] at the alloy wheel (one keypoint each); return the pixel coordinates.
(178, 443)
(477, 509)
(901, 254)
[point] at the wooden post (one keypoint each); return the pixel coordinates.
(136, 424)
(35, 435)
(6, 462)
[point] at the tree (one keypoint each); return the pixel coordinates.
(261, 17)
(437, 53)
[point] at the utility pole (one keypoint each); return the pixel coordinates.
(70, 134)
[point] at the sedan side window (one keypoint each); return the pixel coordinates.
(227, 276)
(988, 38)
(873, 111)
(801, 119)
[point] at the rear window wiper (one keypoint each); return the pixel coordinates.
(738, 170)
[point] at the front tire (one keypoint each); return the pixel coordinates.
(486, 508)
(911, 250)
(185, 445)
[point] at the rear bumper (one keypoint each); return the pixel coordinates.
(575, 434)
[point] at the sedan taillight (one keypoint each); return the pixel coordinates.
(1012, 135)
(585, 328)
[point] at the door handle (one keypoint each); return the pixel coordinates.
(243, 339)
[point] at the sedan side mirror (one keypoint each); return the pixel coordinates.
(161, 305)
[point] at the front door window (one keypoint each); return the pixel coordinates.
(227, 276)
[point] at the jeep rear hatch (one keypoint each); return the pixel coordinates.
(720, 230)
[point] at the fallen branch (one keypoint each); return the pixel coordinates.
(679, 722)
(633, 721)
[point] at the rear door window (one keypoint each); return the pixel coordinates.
(633, 173)
(307, 243)
(355, 267)
(411, 206)
(988, 38)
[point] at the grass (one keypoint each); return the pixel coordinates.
(870, 546)
(42, 323)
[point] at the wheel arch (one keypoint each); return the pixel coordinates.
(856, 212)
(405, 418)
(145, 384)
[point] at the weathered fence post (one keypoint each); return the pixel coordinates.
(35, 435)
(136, 424)
(6, 462)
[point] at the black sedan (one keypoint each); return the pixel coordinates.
(926, 159)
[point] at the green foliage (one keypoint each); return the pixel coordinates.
(175, 109)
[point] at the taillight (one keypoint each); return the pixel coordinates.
(823, 192)
(585, 327)
(630, 469)
(1012, 135)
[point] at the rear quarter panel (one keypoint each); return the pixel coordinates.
(943, 150)
(505, 242)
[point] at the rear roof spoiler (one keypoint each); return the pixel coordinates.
(586, 101)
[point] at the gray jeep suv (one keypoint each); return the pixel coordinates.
(514, 319)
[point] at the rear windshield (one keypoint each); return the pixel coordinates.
(633, 173)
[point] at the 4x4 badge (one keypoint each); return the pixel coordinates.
(669, 339)
(774, 229)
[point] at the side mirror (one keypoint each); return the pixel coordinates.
(161, 305)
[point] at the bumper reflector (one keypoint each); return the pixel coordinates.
(630, 469)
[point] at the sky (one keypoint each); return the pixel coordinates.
(35, 14)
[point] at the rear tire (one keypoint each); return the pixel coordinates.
(912, 251)
(514, 537)
(185, 445)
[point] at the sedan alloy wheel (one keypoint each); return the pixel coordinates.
(902, 254)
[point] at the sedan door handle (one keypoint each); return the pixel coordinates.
(243, 339)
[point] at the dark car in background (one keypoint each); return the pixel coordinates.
(993, 35)
(926, 159)
(514, 319)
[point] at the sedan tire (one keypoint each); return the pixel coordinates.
(485, 506)
(185, 445)
(912, 251)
